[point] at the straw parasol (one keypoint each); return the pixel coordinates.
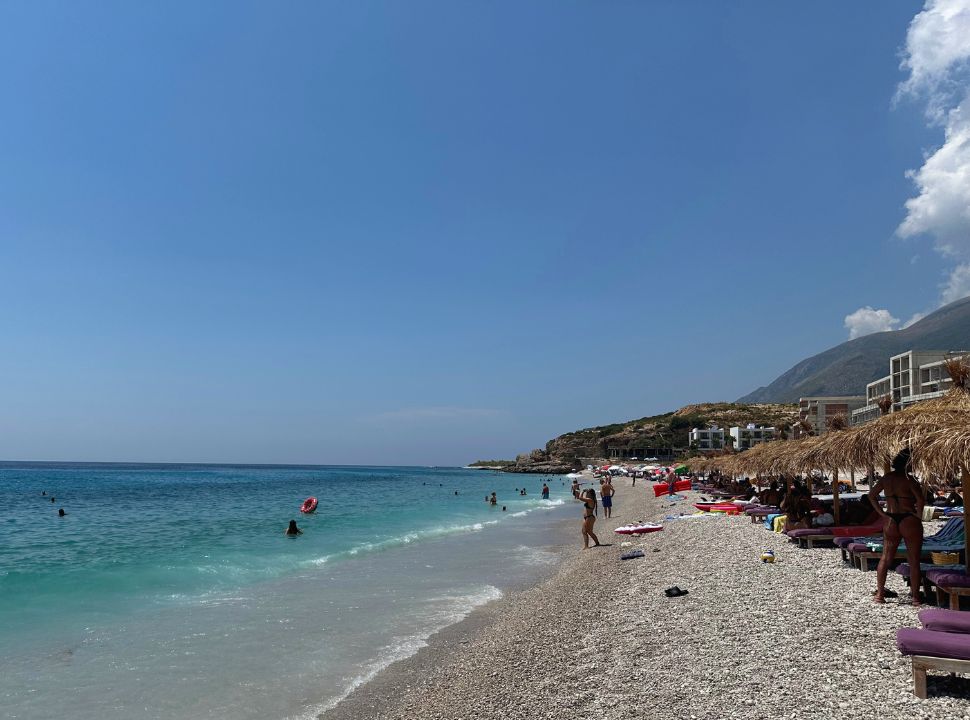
(935, 431)
(877, 442)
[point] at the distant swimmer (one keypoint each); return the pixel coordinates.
(53, 498)
(61, 513)
(503, 508)
(523, 492)
(493, 500)
(545, 491)
(456, 492)
(292, 530)
(44, 493)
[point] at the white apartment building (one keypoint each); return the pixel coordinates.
(747, 437)
(818, 410)
(914, 375)
(707, 439)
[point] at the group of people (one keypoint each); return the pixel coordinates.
(493, 498)
(902, 515)
(60, 511)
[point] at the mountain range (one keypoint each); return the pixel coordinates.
(846, 369)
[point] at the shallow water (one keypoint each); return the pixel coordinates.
(171, 592)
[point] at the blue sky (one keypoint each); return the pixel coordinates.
(429, 232)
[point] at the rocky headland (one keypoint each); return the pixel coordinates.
(647, 435)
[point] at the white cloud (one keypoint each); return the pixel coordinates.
(937, 58)
(937, 48)
(941, 207)
(867, 320)
(957, 285)
(913, 320)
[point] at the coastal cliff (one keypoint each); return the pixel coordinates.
(666, 432)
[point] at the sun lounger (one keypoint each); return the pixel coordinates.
(933, 650)
(950, 538)
(945, 620)
(760, 512)
(808, 537)
(930, 570)
(843, 544)
(949, 581)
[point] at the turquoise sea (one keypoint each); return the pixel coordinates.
(170, 591)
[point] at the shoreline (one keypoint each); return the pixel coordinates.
(599, 639)
(380, 696)
(373, 697)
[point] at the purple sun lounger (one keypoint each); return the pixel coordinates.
(952, 621)
(933, 650)
(949, 581)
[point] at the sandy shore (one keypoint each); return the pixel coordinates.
(799, 638)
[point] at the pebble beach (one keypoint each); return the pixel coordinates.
(600, 639)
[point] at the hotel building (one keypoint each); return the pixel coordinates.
(914, 375)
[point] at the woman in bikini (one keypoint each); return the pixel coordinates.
(588, 499)
(903, 516)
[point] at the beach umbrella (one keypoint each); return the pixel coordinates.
(934, 431)
(877, 442)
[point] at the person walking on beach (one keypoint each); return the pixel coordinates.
(904, 521)
(545, 491)
(588, 498)
(607, 493)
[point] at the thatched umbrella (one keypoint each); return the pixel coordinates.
(811, 453)
(879, 441)
(934, 431)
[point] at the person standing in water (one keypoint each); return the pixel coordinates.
(588, 498)
(545, 491)
(575, 488)
(606, 491)
(493, 500)
(292, 530)
(904, 521)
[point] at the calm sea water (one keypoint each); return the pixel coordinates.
(171, 591)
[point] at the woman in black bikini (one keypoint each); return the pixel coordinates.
(588, 499)
(903, 515)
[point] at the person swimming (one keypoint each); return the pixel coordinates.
(61, 513)
(292, 530)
